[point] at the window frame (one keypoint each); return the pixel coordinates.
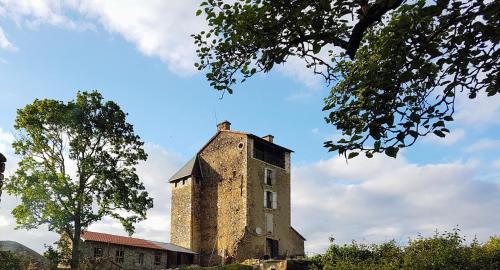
(269, 176)
(157, 258)
(98, 254)
(140, 258)
(119, 256)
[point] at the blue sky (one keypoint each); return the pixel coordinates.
(140, 56)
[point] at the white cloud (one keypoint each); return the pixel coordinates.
(379, 199)
(483, 144)
(5, 43)
(481, 111)
(450, 139)
(157, 28)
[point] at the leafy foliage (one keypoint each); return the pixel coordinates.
(441, 251)
(77, 166)
(397, 65)
(9, 261)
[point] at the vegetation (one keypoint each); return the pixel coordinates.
(9, 261)
(77, 165)
(397, 65)
(441, 251)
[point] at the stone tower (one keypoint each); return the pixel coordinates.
(231, 201)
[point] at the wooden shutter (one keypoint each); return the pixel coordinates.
(269, 222)
(275, 200)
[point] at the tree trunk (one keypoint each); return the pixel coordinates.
(75, 251)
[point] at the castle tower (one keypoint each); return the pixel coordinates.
(231, 201)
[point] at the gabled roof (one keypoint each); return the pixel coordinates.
(191, 167)
(300, 235)
(132, 242)
(118, 240)
(186, 170)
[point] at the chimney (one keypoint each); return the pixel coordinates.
(268, 138)
(226, 125)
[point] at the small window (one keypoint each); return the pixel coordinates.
(157, 258)
(140, 259)
(269, 177)
(119, 256)
(268, 199)
(97, 252)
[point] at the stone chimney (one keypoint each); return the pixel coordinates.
(226, 125)
(268, 138)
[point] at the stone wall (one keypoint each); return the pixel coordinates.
(223, 197)
(181, 213)
(130, 258)
(281, 215)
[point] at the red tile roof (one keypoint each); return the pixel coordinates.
(118, 240)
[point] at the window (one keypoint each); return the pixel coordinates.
(157, 258)
(269, 223)
(269, 177)
(140, 260)
(270, 199)
(97, 252)
(119, 256)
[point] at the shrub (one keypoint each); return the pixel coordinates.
(440, 251)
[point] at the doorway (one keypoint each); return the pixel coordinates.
(272, 248)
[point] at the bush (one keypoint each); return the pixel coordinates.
(441, 251)
(9, 261)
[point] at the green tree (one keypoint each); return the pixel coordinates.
(78, 165)
(397, 65)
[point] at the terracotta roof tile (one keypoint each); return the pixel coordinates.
(119, 240)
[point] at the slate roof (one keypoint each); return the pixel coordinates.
(186, 170)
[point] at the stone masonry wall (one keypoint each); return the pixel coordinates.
(223, 197)
(130, 258)
(289, 245)
(181, 214)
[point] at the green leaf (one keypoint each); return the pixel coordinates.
(198, 12)
(392, 151)
(316, 48)
(439, 133)
(352, 155)
(448, 118)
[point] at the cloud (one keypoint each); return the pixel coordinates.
(157, 28)
(450, 139)
(379, 199)
(483, 144)
(5, 43)
(478, 112)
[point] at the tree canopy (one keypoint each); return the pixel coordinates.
(396, 66)
(78, 165)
